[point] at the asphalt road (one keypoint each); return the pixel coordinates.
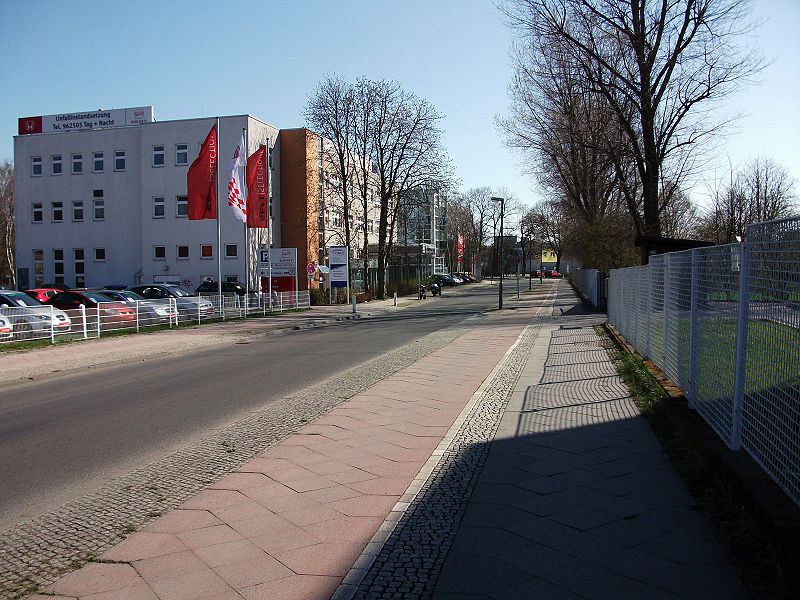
(61, 438)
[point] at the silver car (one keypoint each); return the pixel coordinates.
(189, 305)
(6, 329)
(151, 312)
(31, 318)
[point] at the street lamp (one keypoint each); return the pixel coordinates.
(500, 292)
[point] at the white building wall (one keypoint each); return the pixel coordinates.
(130, 230)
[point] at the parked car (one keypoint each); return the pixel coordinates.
(188, 305)
(42, 294)
(6, 328)
(466, 277)
(443, 279)
(151, 312)
(111, 312)
(552, 273)
(229, 288)
(30, 317)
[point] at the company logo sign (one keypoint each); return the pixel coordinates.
(121, 117)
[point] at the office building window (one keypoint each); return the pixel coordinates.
(80, 271)
(158, 156)
(58, 265)
(99, 254)
(97, 162)
(206, 251)
(38, 212)
(159, 253)
(231, 250)
(99, 205)
(158, 207)
(77, 164)
(181, 154)
(77, 210)
(119, 160)
(182, 206)
(182, 252)
(55, 164)
(36, 166)
(57, 211)
(38, 267)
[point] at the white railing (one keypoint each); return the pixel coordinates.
(723, 323)
(48, 322)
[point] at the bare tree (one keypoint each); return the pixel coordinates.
(659, 66)
(7, 263)
(761, 191)
(407, 154)
(548, 223)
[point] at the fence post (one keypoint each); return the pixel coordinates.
(694, 309)
(741, 346)
(52, 325)
(137, 316)
(83, 321)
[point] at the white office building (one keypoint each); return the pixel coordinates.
(100, 198)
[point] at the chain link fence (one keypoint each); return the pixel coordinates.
(723, 323)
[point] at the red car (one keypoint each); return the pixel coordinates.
(112, 313)
(42, 294)
(552, 273)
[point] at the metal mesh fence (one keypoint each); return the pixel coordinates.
(723, 322)
(717, 300)
(677, 316)
(770, 429)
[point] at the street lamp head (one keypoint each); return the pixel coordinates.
(496, 199)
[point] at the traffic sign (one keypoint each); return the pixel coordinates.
(311, 268)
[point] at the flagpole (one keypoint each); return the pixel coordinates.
(268, 169)
(219, 230)
(246, 231)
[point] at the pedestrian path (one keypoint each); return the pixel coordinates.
(575, 497)
(509, 464)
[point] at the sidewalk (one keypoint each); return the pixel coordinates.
(509, 464)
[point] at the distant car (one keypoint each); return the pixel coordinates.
(151, 312)
(457, 279)
(30, 317)
(211, 288)
(188, 304)
(42, 294)
(552, 273)
(115, 313)
(443, 279)
(6, 328)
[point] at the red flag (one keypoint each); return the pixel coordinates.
(257, 189)
(201, 180)
(460, 247)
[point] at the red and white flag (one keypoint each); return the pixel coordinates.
(201, 180)
(257, 187)
(460, 247)
(235, 196)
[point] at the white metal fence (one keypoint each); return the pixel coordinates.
(48, 322)
(590, 283)
(723, 323)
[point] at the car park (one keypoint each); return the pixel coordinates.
(151, 312)
(189, 306)
(111, 313)
(229, 288)
(42, 294)
(6, 329)
(30, 317)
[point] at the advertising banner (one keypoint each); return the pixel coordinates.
(93, 119)
(338, 261)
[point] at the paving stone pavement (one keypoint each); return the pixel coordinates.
(510, 463)
(572, 497)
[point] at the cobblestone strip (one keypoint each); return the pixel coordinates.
(407, 566)
(38, 551)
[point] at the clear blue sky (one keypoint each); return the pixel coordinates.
(193, 59)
